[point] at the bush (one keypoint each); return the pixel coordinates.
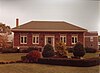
(29, 49)
(78, 50)
(70, 50)
(90, 50)
(61, 49)
(48, 51)
(0, 49)
(32, 56)
(9, 50)
(71, 62)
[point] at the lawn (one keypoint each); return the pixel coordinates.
(17, 56)
(11, 56)
(42, 68)
(39, 68)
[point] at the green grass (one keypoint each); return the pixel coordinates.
(42, 68)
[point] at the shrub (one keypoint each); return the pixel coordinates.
(78, 50)
(33, 56)
(29, 49)
(71, 62)
(70, 50)
(61, 49)
(90, 50)
(9, 50)
(48, 51)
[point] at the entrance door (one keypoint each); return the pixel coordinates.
(49, 40)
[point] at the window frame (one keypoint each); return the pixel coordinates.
(23, 36)
(36, 39)
(75, 37)
(91, 39)
(64, 39)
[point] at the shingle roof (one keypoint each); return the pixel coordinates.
(48, 26)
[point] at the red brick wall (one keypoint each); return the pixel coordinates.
(42, 37)
(91, 44)
(57, 38)
(80, 38)
(16, 39)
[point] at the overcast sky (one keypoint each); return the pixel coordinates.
(84, 13)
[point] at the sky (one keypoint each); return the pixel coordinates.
(84, 13)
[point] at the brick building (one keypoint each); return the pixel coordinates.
(39, 33)
(91, 40)
(99, 42)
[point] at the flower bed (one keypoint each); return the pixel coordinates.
(70, 62)
(63, 62)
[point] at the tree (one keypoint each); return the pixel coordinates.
(4, 40)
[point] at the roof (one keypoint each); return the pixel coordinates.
(91, 33)
(48, 26)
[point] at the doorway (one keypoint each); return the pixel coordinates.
(49, 40)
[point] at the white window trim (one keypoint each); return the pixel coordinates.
(74, 39)
(34, 35)
(23, 39)
(63, 38)
(53, 40)
(91, 39)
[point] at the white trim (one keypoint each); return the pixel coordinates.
(48, 30)
(53, 39)
(91, 39)
(63, 36)
(75, 36)
(23, 39)
(35, 35)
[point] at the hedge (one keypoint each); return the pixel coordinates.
(9, 50)
(88, 50)
(70, 62)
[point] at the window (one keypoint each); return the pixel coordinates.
(74, 39)
(35, 39)
(91, 39)
(23, 39)
(63, 39)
